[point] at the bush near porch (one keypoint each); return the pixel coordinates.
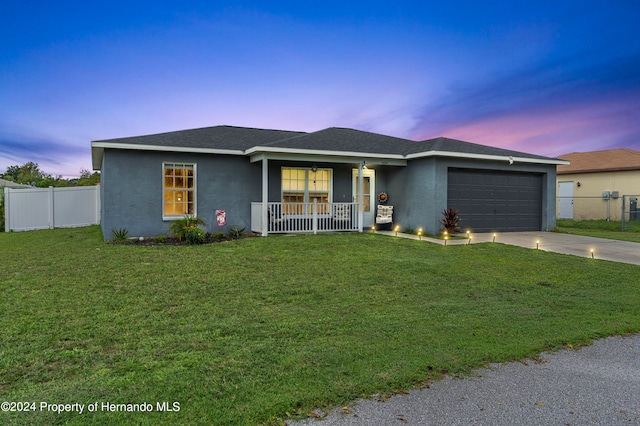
(258, 330)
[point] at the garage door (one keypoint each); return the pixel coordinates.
(496, 201)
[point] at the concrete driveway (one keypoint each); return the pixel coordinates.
(616, 251)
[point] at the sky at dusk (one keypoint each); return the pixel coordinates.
(544, 77)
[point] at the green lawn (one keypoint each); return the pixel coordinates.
(600, 229)
(256, 330)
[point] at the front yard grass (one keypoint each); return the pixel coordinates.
(258, 330)
(600, 229)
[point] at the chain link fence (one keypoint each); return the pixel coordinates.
(612, 207)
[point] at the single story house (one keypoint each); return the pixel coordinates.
(593, 185)
(286, 181)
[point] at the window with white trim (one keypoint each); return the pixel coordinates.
(179, 190)
(305, 186)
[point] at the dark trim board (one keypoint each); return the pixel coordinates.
(490, 200)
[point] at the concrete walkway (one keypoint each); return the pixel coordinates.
(613, 250)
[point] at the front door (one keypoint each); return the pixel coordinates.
(565, 200)
(368, 194)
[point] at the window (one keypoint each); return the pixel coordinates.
(305, 186)
(179, 189)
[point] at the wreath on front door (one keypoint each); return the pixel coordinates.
(383, 197)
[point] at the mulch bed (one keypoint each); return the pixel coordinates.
(170, 241)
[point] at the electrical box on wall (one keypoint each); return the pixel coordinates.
(605, 195)
(615, 195)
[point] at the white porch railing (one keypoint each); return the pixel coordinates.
(305, 217)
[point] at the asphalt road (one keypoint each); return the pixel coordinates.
(595, 385)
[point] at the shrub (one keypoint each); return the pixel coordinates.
(120, 235)
(195, 235)
(179, 227)
(451, 221)
(236, 231)
(218, 236)
(161, 239)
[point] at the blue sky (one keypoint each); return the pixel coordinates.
(543, 77)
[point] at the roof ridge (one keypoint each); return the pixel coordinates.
(601, 151)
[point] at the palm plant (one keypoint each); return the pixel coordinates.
(178, 228)
(451, 221)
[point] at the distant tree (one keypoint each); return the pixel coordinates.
(87, 178)
(12, 173)
(30, 174)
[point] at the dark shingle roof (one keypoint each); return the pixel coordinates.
(454, 145)
(218, 137)
(345, 140)
(334, 139)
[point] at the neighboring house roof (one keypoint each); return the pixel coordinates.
(600, 161)
(9, 184)
(333, 141)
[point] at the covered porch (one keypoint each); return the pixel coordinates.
(309, 191)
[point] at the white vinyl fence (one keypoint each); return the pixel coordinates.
(47, 208)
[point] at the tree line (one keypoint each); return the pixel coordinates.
(30, 174)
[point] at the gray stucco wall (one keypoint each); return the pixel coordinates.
(413, 192)
(132, 190)
(132, 196)
(418, 192)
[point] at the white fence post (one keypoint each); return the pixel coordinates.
(6, 210)
(98, 206)
(50, 206)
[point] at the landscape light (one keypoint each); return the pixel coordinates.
(494, 238)
(420, 233)
(592, 255)
(397, 229)
(537, 244)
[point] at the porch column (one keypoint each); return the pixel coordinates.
(265, 196)
(360, 197)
